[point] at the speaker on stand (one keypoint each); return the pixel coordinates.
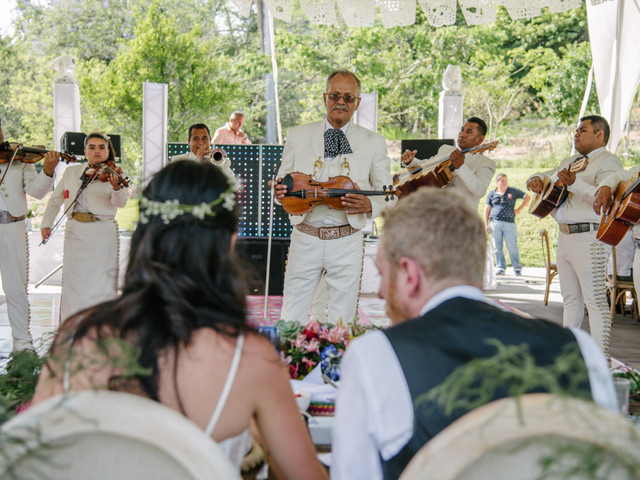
(72, 143)
(254, 251)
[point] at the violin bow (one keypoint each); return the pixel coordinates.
(82, 188)
(15, 152)
(269, 242)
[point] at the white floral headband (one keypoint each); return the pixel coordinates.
(170, 209)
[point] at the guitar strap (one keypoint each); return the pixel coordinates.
(577, 161)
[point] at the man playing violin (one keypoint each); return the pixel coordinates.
(200, 149)
(472, 172)
(21, 179)
(582, 259)
(90, 260)
(326, 241)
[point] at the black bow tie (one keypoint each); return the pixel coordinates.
(335, 143)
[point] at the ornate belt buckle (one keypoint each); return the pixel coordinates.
(328, 233)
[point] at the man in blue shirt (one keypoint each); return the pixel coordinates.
(500, 222)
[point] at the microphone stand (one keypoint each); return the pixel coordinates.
(85, 183)
(269, 242)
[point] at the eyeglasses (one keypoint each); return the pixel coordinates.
(334, 96)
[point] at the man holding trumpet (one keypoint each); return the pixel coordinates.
(200, 149)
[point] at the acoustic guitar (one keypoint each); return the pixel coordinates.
(436, 172)
(622, 215)
(554, 192)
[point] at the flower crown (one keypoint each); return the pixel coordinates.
(170, 209)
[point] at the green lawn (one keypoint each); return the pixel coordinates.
(529, 226)
(127, 216)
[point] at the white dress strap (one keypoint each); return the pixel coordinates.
(227, 387)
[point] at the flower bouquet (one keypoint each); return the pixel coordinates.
(303, 347)
(319, 348)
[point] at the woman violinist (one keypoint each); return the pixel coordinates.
(20, 178)
(91, 200)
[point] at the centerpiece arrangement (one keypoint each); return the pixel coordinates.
(315, 346)
(303, 347)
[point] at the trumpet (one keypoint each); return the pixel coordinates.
(217, 156)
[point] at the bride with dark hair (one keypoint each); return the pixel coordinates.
(178, 332)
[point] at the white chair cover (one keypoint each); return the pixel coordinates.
(511, 438)
(108, 435)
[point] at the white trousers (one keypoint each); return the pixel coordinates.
(582, 263)
(14, 246)
(636, 271)
(90, 265)
(341, 262)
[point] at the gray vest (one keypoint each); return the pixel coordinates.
(431, 347)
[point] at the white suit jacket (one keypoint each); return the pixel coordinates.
(22, 177)
(369, 166)
(102, 200)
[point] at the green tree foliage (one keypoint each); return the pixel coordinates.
(212, 60)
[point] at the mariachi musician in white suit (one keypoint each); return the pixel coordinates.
(20, 179)
(472, 172)
(90, 263)
(328, 241)
(582, 259)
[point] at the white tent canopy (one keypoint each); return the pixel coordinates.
(613, 30)
(398, 13)
(615, 48)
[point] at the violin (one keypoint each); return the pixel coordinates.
(432, 172)
(304, 193)
(27, 154)
(104, 170)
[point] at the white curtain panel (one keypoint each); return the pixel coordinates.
(319, 12)
(397, 13)
(439, 12)
(615, 47)
(521, 9)
(243, 6)
(357, 13)
(280, 9)
(557, 6)
(479, 12)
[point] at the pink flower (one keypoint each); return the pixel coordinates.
(338, 334)
(22, 407)
(312, 329)
(309, 363)
(313, 346)
(300, 341)
(293, 371)
(286, 360)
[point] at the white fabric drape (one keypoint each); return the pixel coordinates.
(615, 48)
(397, 13)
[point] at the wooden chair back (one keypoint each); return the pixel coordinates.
(617, 289)
(551, 267)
